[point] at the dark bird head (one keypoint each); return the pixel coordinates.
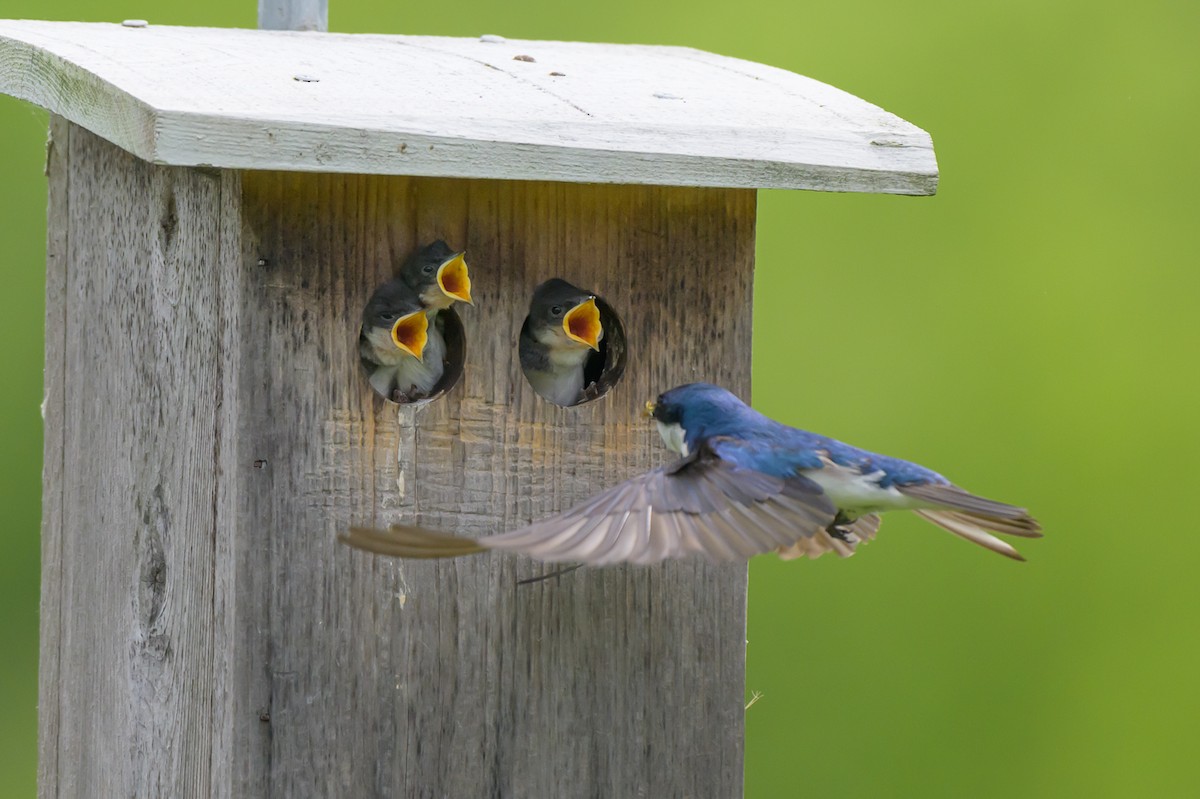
(695, 411)
(438, 275)
(395, 320)
(568, 312)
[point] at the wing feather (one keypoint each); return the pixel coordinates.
(713, 542)
(865, 527)
(702, 505)
(619, 540)
(740, 536)
(410, 542)
(770, 530)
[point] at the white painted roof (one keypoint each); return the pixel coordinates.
(422, 105)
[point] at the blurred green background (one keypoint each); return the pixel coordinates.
(1031, 332)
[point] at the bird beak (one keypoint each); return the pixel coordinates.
(648, 411)
(582, 323)
(410, 333)
(453, 279)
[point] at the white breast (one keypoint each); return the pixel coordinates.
(674, 436)
(560, 387)
(377, 346)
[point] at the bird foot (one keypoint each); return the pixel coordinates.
(839, 528)
(840, 533)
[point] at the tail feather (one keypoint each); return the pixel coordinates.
(1017, 527)
(951, 496)
(971, 527)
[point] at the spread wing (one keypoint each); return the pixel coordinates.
(701, 505)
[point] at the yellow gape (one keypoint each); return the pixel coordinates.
(453, 279)
(410, 333)
(582, 323)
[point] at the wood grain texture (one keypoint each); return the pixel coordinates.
(448, 679)
(436, 106)
(217, 432)
(53, 467)
(132, 384)
(241, 701)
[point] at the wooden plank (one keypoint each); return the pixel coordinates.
(137, 318)
(293, 15)
(53, 467)
(241, 691)
(414, 105)
(448, 679)
(214, 639)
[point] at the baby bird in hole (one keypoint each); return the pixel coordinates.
(560, 344)
(403, 342)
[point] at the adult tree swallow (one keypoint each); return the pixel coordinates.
(745, 485)
(560, 341)
(430, 281)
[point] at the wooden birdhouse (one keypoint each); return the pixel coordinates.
(222, 205)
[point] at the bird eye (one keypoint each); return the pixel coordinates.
(427, 269)
(556, 310)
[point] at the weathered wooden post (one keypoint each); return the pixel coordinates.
(293, 15)
(222, 203)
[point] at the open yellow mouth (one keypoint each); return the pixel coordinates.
(453, 279)
(582, 323)
(410, 333)
(648, 411)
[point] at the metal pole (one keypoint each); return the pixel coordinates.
(293, 15)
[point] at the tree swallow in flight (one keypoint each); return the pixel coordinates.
(407, 355)
(745, 485)
(560, 342)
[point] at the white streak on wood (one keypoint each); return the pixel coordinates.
(417, 105)
(406, 446)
